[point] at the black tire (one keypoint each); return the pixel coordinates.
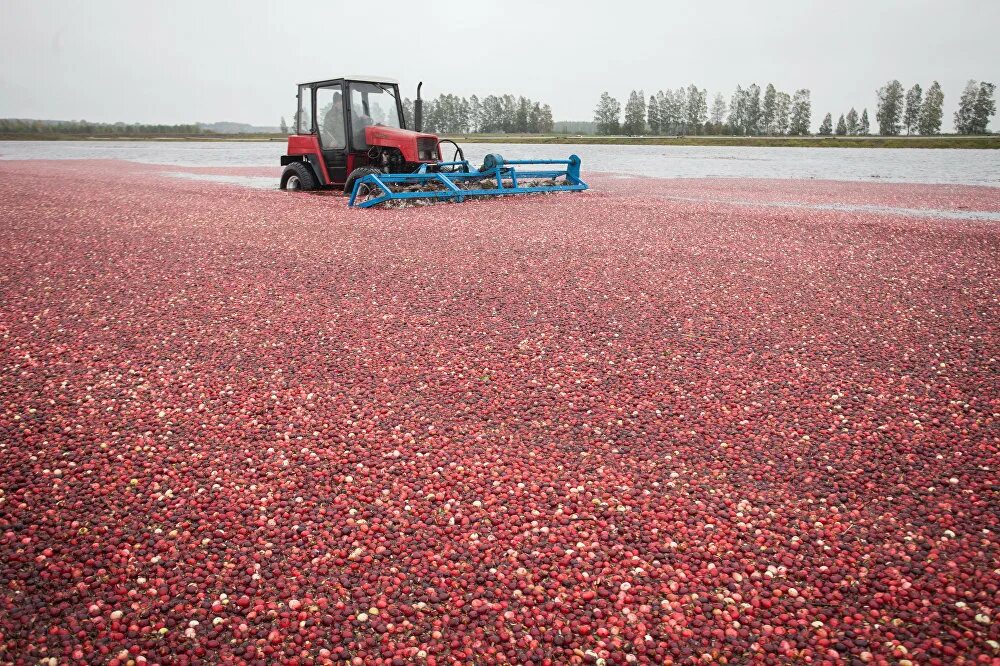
(298, 176)
(360, 172)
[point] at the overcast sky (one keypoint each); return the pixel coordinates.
(184, 61)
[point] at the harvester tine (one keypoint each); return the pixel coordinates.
(451, 186)
(370, 179)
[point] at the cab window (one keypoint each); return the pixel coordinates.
(303, 116)
(330, 117)
(372, 104)
(375, 103)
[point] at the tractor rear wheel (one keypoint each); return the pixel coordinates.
(297, 176)
(360, 172)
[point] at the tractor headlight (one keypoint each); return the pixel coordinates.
(426, 149)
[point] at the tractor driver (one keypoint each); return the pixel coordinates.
(333, 132)
(359, 121)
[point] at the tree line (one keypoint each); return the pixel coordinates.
(849, 125)
(922, 113)
(84, 128)
(451, 114)
(898, 109)
(687, 111)
(750, 112)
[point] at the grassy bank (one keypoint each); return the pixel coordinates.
(992, 142)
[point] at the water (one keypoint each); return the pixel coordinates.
(968, 167)
(174, 153)
(946, 166)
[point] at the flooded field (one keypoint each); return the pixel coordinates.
(666, 420)
(965, 167)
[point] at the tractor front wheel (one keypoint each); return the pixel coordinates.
(298, 176)
(360, 172)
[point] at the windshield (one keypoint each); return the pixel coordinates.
(374, 105)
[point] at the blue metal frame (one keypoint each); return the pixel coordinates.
(499, 170)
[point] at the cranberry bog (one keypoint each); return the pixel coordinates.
(657, 422)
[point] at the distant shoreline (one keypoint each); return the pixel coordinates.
(950, 141)
(149, 137)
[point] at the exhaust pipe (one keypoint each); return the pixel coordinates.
(418, 110)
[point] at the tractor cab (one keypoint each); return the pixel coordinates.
(350, 127)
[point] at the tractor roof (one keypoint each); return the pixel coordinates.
(371, 78)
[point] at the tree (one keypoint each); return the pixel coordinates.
(680, 110)
(671, 111)
(284, 126)
(534, 118)
(464, 120)
(664, 107)
(521, 115)
(911, 116)
(635, 114)
(932, 110)
(753, 110)
(429, 116)
(965, 117)
(443, 114)
(697, 108)
(545, 122)
(607, 114)
(653, 115)
(718, 113)
(975, 107)
(852, 121)
(408, 112)
(864, 127)
(738, 111)
(782, 109)
(768, 109)
(826, 127)
(801, 113)
(435, 112)
(475, 114)
(841, 126)
(489, 114)
(985, 107)
(508, 113)
(890, 108)
(450, 114)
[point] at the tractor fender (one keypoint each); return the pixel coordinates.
(317, 168)
(305, 148)
(310, 160)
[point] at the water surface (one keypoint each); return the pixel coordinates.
(944, 166)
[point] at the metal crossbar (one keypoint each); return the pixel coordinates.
(495, 173)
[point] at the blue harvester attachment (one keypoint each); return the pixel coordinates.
(454, 181)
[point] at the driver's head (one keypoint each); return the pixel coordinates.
(338, 101)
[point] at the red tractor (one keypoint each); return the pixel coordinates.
(350, 134)
(350, 127)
